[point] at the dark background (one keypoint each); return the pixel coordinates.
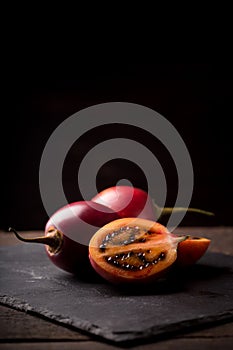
(195, 98)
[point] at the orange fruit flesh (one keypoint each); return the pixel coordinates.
(122, 262)
(191, 250)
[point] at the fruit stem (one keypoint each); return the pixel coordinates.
(53, 239)
(182, 238)
(169, 210)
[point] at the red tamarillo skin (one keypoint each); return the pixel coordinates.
(76, 222)
(67, 235)
(129, 201)
(133, 250)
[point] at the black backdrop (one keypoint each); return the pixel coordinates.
(195, 98)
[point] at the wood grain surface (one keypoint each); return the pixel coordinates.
(19, 330)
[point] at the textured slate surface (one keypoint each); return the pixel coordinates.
(29, 282)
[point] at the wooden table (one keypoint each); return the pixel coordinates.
(19, 330)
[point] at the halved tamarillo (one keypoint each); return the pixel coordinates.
(133, 250)
(191, 250)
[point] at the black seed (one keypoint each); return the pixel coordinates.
(128, 266)
(102, 247)
(141, 267)
(110, 258)
(142, 240)
(162, 256)
(147, 264)
(154, 262)
(141, 256)
(128, 255)
(148, 251)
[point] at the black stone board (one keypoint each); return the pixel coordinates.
(201, 295)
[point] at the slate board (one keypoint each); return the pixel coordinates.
(31, 283)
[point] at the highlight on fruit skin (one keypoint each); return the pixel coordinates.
(133, 250)
(191, 250)
(129, 201)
